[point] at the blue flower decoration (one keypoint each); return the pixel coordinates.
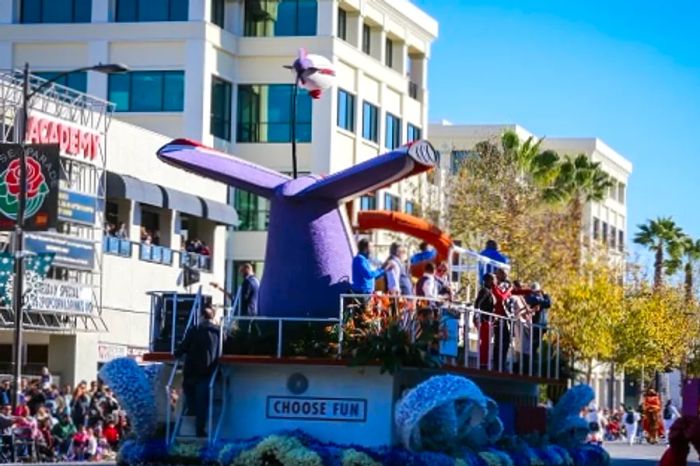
(135, 393)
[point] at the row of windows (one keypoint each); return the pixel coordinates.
(147, 91)
(617, 191)
(608, 235)
(370, 121)
(261, 17)
(391, 202)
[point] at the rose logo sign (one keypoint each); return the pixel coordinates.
(37, 189)
(43, 168)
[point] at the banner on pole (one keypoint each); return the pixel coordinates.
(43, 167)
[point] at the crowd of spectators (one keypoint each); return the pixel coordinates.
(53, 424)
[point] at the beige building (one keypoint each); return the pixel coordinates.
(212, 71)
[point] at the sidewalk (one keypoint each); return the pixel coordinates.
(623, 454)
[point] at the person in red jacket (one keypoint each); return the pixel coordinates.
(111, 434)
(502, 290)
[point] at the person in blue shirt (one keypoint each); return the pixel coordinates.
(426, 253)
(363, 273)
(491, 251)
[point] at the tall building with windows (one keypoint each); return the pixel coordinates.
(212, 70)
(604, 221)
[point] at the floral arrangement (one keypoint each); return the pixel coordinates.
(135, 391)
(444, 421)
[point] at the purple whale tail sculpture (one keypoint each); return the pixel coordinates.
(309, 252)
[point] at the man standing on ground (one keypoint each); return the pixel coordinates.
(631, 420)
(249, 291)
(670, 414)
(201, 350)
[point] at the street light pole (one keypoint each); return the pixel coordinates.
(18, 291)
(17, 299)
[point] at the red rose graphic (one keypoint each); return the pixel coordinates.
(34, 177)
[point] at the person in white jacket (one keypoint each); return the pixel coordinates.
(670, 414)
(631, 421)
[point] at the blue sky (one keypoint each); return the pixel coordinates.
(626, 72)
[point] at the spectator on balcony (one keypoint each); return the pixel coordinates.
(363, 274)
(122, 232)
(398, 282)
(46, 378)
(204, 249)
(249, 291)
(201, 350)
(491, 252)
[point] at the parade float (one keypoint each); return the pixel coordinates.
(325, 377)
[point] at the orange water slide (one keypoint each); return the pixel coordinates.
(400, 222)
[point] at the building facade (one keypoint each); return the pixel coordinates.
(604, 221)
(212, 71)
(123, 223)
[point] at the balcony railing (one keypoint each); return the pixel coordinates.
(116, 246)
(157, 254)
(195, 261)
(464, 337)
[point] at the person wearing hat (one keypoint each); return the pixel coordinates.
(539, 303)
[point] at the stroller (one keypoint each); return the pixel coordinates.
(24, 447)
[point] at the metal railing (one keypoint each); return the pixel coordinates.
(478, 340)
(195, 260)
(116, 246)
(157, 254)
(192, 320)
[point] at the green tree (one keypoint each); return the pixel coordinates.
(579, 180)
(660, 236)
(685, 254)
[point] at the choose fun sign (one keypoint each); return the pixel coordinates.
(317, 409)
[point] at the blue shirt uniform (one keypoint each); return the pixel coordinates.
(364, 275)
(492, 254)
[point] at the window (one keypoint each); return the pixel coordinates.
(267, 18)
(220, 108)
(457, 159)
(604, 235)
(410, 208)
(412, 133)
(342, 24)
(596, 228)
(148, 91)
(389, 53)
(621, 193)
(393, 131)
(76, 81)
(368, 202)
(139, 11)
(370, 122)
(620, 240)
(346, 110)
(56, 11)
(366, 38)
(264, 114)
(253, 211)
(218, 13)
(392, 202)
(613, 237)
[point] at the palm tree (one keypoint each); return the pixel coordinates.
(578, 180)
(529, 158)
(660, 236)
(685, 253)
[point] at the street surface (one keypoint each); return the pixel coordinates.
(623, 454)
